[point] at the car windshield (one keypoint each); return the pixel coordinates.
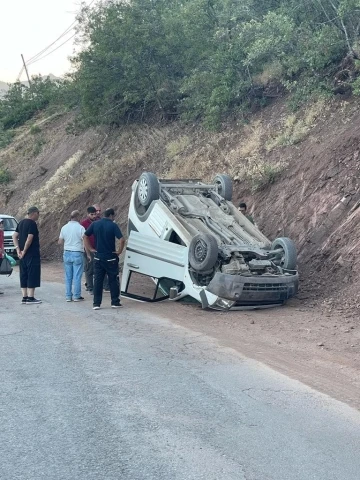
(10, 224)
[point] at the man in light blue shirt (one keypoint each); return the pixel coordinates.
(71, 236)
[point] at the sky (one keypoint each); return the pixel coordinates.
(29, 26)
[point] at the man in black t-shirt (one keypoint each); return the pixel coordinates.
(106, 257)
(26, 241)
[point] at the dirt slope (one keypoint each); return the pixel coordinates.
(299, 173)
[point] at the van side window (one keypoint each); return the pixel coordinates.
(174, 238)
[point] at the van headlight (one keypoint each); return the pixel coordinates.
(223, 303)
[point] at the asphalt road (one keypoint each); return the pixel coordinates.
(124, 395)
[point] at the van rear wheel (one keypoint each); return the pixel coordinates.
(225, 186)
(148, 188)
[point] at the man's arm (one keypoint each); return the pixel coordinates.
(16, 242)
(87, 251)
(26, 246)
(87, 244)
(120, 237)
(28, 242)
(61, 239)
(121, 246)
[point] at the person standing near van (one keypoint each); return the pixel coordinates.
(243, 209)
(71, 236)
(89, 256)
(106, 257)
(27, 244)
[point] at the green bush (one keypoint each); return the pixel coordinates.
(21, 103)
(6, 137)
(35, 129)
(5, 176)
(38, 146)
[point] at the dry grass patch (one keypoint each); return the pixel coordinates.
(259, 172)
(53, 192)
(176, 147)
(296, 128)
(248, 150)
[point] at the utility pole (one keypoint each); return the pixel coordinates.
(26, 70)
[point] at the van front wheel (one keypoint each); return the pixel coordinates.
(203, 252)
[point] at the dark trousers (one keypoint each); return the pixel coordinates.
(89, 271)
(30, 272)
(111, 268)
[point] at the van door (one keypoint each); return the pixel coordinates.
(151, 267)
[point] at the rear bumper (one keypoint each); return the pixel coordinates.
(250, 291)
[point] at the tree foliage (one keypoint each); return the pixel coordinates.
(21, 102)
(201, 59)
(197, 59)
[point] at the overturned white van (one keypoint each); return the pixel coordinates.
(191, 240)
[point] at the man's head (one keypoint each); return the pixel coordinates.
(75, 216)
(97, 210)
(91, 211)
(242, 208)
(33, 213)
(109, 213)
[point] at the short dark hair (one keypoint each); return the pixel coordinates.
(242, 205)
(91, 209)
(108, 212)
(32, 210)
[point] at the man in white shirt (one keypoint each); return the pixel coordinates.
(71, 236)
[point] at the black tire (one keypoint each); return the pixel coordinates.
(289, 256)
(225, 186)
(148, 188)
(203, 252)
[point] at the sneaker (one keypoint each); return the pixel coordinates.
(23, 301)
(32, 300)
(90, 292)
(106, 290)
(79, 299)
(96, 307)
(69, 299)
(117, 305)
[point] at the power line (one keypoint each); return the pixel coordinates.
(51, 44)
(35, 58)
(49, 53)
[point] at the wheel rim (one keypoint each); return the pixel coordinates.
(143, 190)
(219, 186)
(200, 251)
(283, 257)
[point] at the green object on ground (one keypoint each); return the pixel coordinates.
(11, 260)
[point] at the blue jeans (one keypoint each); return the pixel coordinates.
(74, 267)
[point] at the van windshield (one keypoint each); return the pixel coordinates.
(10, 224)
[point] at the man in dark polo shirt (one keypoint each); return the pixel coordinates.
(26, 241)
(89, 256)
(106, 257)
